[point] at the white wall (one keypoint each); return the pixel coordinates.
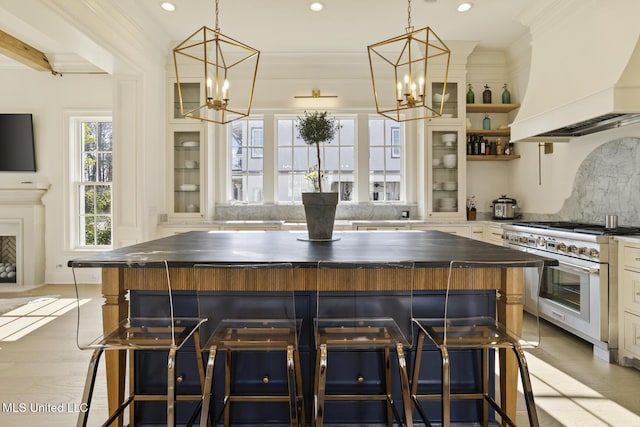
(47, 97)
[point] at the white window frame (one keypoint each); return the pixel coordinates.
(388, 144)
(252, 152)
(361, 172)
(74, 167)
(311, 155)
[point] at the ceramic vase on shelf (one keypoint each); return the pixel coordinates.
(471, 97)
(486, 122)
(486, 95)
(506, 95)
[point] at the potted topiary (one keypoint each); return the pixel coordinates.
(319, 207)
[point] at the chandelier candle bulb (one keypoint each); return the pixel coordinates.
(225, 90)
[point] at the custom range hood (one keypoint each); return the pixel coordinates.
(585, 70)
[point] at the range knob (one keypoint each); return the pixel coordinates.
(562, 247)
(594, 253)
(542, 242)
(573, 249)
(583, 251)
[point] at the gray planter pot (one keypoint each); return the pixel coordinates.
(320, 212)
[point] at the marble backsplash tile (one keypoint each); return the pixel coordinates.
(607, 183)
(296, 212)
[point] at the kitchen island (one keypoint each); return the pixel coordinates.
(431, 251)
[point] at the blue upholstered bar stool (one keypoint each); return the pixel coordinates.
(262, 320)
(461, 329)
(363, 307)
(158, 330)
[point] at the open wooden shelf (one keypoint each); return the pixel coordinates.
(491, 132)
(492, 157)
(491, 108)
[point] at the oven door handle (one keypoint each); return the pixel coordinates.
(590, 270)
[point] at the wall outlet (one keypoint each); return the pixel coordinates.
(404, 215)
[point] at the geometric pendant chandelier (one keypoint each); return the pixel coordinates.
(401, 68)
(225, 67)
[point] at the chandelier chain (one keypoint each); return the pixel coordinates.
(217, 21)
(409, 26)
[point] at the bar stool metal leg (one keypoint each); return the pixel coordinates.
(206, 395)
(387, 380)
(485, 386)
(320, 384)
(404, 383)
(526, 385)
(292, 388)
(87, 394)
(171, 388)
(299, 395)
(446, 388)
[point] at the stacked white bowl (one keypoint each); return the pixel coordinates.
(448, 203)
(450, 185)
(450, 160)
(449, 138)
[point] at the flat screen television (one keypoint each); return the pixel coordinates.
(17, 150)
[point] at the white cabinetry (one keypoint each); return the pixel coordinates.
(629, 303)
(442, 154)
(445, 179)
(187, 152)
(493, 234)
(186, 180)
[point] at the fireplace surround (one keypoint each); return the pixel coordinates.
(22, 234)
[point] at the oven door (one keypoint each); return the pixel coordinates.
(574, 295)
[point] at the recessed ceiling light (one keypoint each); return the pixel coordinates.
(316, 6)
(168, 6)
(463, 7)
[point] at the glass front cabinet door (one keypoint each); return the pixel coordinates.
(186, 163)
(448, 97)
(446, 157)
(192, 97)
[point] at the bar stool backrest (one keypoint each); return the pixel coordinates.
(363, 291)
(153, 324)
(267, 294)
(462, 318)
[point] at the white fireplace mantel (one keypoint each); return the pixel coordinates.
(21, 194)
(22, 211)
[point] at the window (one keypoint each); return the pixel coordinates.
(93, 180)
(247, 167)
(296, 160)
(385, 160)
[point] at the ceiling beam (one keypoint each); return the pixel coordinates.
(23, 53)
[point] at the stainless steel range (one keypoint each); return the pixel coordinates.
(580, 294)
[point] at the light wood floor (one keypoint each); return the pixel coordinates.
(45, 369)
